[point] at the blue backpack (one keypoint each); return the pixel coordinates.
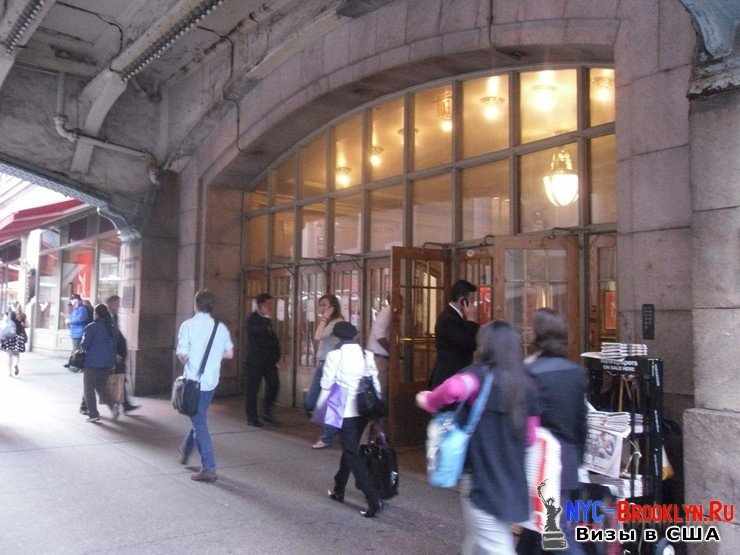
(447, 441)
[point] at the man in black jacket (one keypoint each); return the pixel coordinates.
(455, 333)
(263, 354)
(114, 303)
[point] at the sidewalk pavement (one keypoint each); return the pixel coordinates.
(67, 486)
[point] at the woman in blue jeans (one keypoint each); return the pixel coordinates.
(330, 312)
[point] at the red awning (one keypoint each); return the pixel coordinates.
(23, 221)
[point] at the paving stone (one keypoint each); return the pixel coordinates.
(636, 51)
(716, 281)
(717, 358)
(677, 35)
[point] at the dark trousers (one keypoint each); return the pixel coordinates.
(255, 375)
(351, 432)
(95, 380)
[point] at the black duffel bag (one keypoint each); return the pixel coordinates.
(382, 465)
(186, 392)
(369, 402)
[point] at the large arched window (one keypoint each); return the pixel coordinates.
(451, 162)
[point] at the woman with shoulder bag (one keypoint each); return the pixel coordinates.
(14, 344)
(99, 346)
(346, 366)
(494, 489)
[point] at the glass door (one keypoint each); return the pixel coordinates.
(476, 266)
(312, 286)
(602, 315)
(282, 288)
(419, 281)
(537, 272)
(346, 284)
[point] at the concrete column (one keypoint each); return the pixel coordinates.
(711, 430)
(149, 292)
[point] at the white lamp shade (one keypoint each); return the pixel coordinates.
(561, 187)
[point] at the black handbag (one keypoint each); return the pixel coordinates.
(369, 403)
(186, 392)
(382, 465)
(77, 359)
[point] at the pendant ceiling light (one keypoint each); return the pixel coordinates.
(492, 107)
(444, 111)
(375, 156)
(343, 178)
(561, 184)
(603, 89)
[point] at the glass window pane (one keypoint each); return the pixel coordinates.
(284, 182)
(432, 216)
(77, 272)
(549, 188)
(109, 273)
(433, 123)
(47, 306)
(258, 198)
(386, 150)
(485, 197)
(548, 103)
(256, 240)
(348, 151)
(514, 264)
(348, 224)
(485, 115)
(313, 168)
(557, 265)
(536, 265)
(313, 232)
(283, 227)
(601, 87)
(386, 218)
(604, 180)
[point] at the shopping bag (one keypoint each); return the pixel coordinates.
(7, 328)
(114, 388)
(330, 408)
(543, 467)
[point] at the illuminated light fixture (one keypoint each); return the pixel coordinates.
(544, 97)
(29, 13)
(164, 43)
(603, 89)
(444, 111)
(492, 107)
(343, 176)
(375, 156)
(561, 184)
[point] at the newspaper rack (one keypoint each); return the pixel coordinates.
(646, 374)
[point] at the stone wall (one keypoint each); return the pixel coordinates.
(711, 430)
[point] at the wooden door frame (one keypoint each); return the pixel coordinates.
(568, 243)
(596, 242)
(293, 293)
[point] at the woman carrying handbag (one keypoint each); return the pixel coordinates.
(344, 369)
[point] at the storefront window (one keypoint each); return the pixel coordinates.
(432, 221)
(109, 272)
(549, 188)
(284, 182)
(548, 103)
(386, 150)
(604, 180)
(313, 168)
(485, 115)
(433, 122)
(348, 153)
(283, 227)
(486, 203)
(313, 231)
(601, 89)
(77, 230)
(47, 303)
(386, 218)
(256, 240)
(348, 224)
(50, 239)
(77, 277)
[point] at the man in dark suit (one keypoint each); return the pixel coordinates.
(263, 354)
(455, 333)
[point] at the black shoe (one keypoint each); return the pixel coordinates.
(257, 423)
(336, 495)
(372, 509)
(130, 408)
(83, 410)
(270, 419)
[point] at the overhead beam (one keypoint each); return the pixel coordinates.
(101, 94)
(16, 27)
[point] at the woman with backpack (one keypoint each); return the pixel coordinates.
(99, 346)
(494, 487)
(345, 367)
(15, 344)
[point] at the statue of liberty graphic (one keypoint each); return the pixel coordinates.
(553, 538)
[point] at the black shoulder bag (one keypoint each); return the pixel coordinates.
(186, 392)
